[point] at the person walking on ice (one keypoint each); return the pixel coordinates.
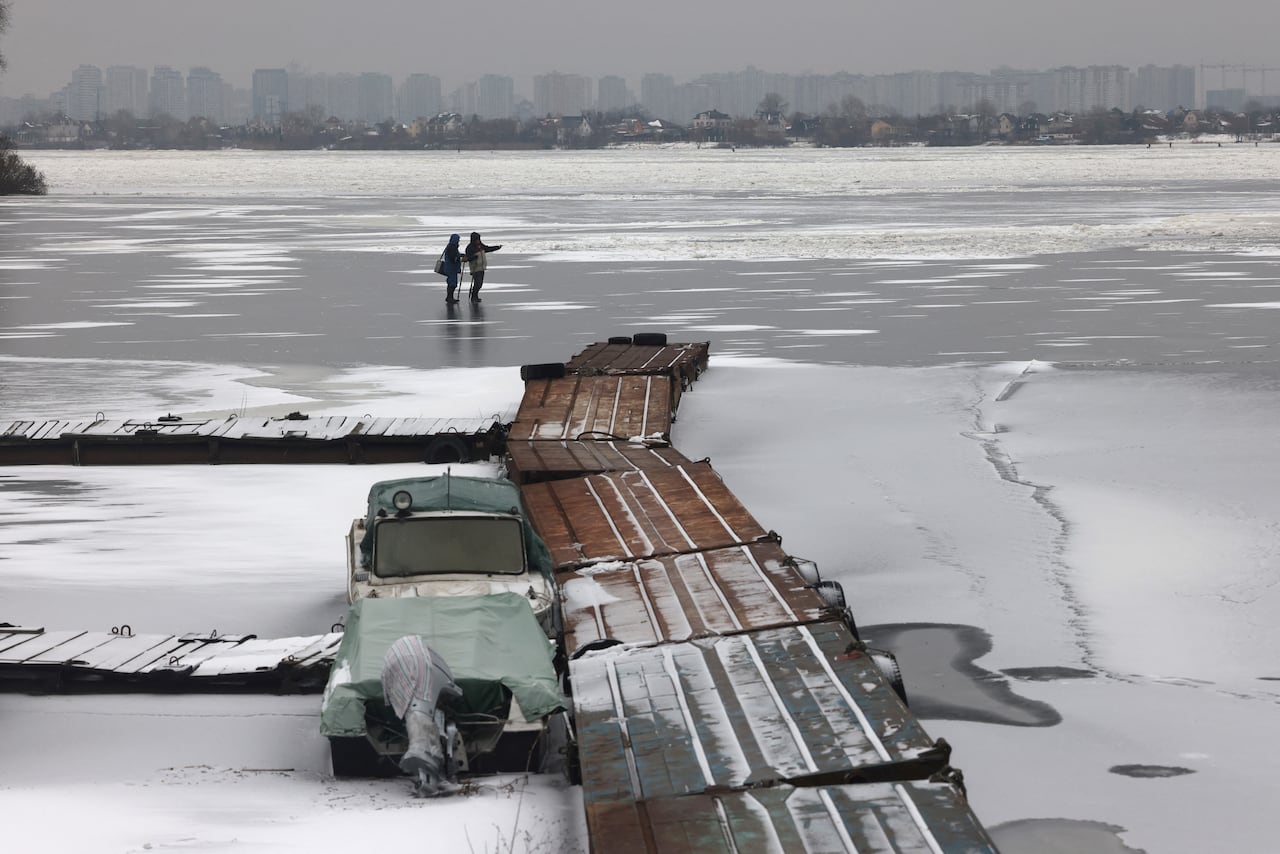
(476, 251)
(452, 267)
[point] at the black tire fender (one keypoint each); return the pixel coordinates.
(544, 371)
(832, 593)
(448, 449)
(887, 663)
(851, 623)
(620, 339)
(649, 339)
(592, 646)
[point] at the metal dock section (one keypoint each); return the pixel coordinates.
(721, 696)
(295, 438)
(52, 661)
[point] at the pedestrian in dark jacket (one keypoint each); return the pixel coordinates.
(476, 251)
(452, 267)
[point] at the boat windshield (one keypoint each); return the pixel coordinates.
(435, 545)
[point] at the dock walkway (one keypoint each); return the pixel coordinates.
(295, 438)
(722, 698)
(55, 661)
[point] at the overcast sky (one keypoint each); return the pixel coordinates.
(459, 42)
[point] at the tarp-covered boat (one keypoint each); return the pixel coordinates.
(498, 654)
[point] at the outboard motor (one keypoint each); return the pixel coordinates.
(419, 686)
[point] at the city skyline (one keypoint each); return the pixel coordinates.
(400, 37)
(373, 97)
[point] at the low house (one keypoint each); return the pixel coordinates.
(571, 129)
(444, 126)
(771, 128)
(882, 132)
(712, 125)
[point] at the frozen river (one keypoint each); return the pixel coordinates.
(1019, 401)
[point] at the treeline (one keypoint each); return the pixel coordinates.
(845, 125)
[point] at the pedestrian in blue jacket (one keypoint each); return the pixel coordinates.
(453, 259)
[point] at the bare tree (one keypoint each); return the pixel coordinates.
(15, 176)
(772, 105)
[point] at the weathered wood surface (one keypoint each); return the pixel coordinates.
(687, 596)
(332, 439)
(768, 707)
(683, 363)
(534, 461)
(58, 660)
(628, 515)
(914, 816)
(595, 407)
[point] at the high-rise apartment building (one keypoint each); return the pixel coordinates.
(168, 93)
(308, 92)
(657, 95)
(1165, 88)
(495, 97)
(125, 88)
(612, 95)
(84, 95)
(376, 101)
(205, 95)
(557, 94)
(420, 97)
(270, 95)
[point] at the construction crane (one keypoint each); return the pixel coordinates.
(1245, 71)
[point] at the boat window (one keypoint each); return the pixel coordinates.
(435, 545)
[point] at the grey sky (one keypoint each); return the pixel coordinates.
(459, 42)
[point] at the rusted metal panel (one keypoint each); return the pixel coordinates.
(683, 597)
(628, 515)
(531, 462)
(602, 407)
(882, 817)
(760, 708)
(684, 363)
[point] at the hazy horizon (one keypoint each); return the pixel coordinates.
(47, 39)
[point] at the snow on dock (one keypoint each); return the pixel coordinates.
(294, 438)
(723, 701)
(46, 661)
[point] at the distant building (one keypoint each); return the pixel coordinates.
(712, 125)
(495, 97)
(168, 93)
(1165, 88)
(376, 103)
(84, 95)
(557, 94)
(206, 96)
(612, 94)
(125, 88)
(270, 96)
(658, 94)
(344, 97)
(570, 129)
(420, 97)
(1232, 100)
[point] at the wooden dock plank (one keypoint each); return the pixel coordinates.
(258, 655)
(35, 645)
